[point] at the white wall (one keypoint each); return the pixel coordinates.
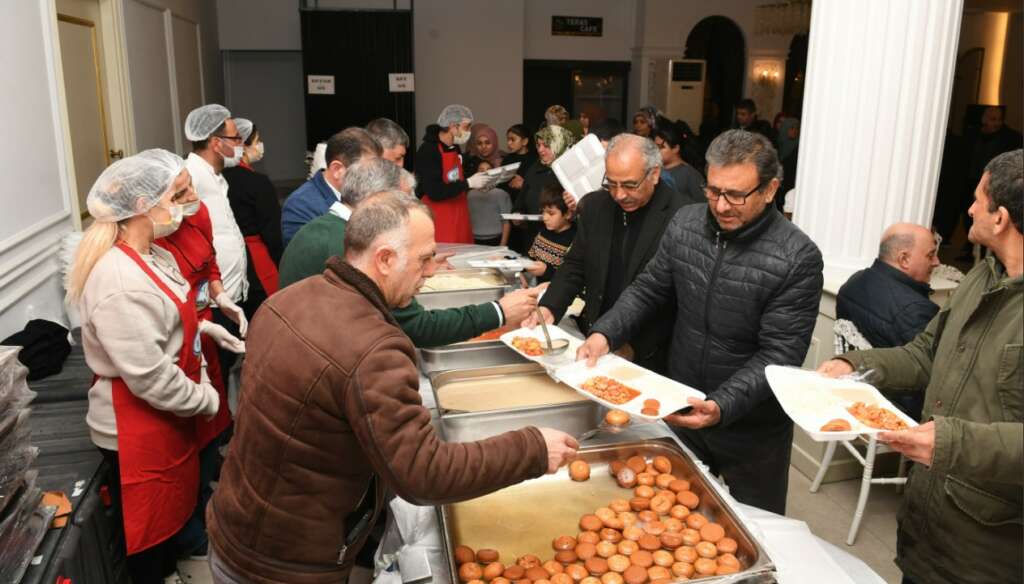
(36, 204)
(1013, 71)
(615, 43)
(469, 52)
(259, 25)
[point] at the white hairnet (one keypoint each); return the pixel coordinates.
(131, 186)
(319, 158)
(202, 121)
(244, 128)
(454, 114)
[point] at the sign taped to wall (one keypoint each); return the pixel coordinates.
(401, 82)
(320, 84)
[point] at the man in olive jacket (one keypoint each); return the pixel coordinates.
(745, 284)
(961, 519)
(330, 417)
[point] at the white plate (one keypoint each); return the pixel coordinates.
(811, 400)
(519, 217)
(670, 393)
(550, 362)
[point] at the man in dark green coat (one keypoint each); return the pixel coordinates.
(324, 237)
(961, 519)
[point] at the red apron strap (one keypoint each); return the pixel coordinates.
(266, 269)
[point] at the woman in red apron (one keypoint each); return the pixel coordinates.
(442, 183)
(192, 248)
(140, 334)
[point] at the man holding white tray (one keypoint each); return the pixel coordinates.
(965, 493)
(746, 284)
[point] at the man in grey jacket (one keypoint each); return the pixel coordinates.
(746, 285)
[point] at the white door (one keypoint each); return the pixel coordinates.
(87, 93)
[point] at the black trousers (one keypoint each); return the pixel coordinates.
(227, 358)
(753, 461)
(151, 565)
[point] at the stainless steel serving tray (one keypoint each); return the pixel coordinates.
(463, 297)
(468, 356)
(524, 518)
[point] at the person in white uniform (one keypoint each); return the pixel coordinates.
(216, 144)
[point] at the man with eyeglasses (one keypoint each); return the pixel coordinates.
(745, 284)
(617, 234)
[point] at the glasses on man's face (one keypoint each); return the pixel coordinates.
(232, 138)
(735, 198)
(628, 186)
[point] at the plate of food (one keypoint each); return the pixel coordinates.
(622, 385)
(530, 343)
(833, 409)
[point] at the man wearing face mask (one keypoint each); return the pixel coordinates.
(443, 185)
(216, 145)
(254, 203)
(316, 196)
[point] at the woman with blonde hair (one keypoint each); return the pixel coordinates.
(140, 334)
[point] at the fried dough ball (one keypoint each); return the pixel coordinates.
(628, 547)
(596, 566)
(679, 485)
(588, 537)
(493, 570)
(464, 555)
(727, 545)
(706, 549)
(689, 499)
(563, 542)
(514, 572)
(616, 418)
(566, 556)
(637, 463)
(663, 558)
(712, 532)
(696, 520)
(591, 523)
(663, 464)
(679, 511)
(645, 479)
(552, 567)
(577, 572)
(585, 551)
(705, 566)
(642, 558)
(470, 571)
(528, 561)
(619, 505)
(663, 481)
(635, 575)
(686, 554)
(612, 535)
(683, 569)
(626, 478)
(618, 563)
(606, 549)
(579, 470)
(486, 556)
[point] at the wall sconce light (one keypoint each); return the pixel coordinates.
(767, 76)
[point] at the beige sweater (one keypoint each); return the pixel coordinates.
(132, 330)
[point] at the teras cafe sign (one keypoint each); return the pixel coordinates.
(591, 26)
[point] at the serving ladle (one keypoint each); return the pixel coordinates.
(554, 347)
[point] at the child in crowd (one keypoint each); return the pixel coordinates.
(553, 241)
(520, 150)
(485, 209)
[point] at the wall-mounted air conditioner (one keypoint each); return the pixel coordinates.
(685, 92)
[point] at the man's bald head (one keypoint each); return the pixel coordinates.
(910, 249)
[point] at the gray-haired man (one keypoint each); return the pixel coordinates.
(745, 285)
(393, 139)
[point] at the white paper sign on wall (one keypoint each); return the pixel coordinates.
(320, 84)
(401, 82)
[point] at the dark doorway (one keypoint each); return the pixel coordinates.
(796, 77)
(359, 48)
(719, 41)
(966, 89)
(598, 88)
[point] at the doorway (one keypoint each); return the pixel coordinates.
(597, 88)
(357, 49)
(966, 88)
(719, 41)
(92, 99)
(796, 77)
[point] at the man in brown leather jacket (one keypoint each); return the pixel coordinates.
(330, 415)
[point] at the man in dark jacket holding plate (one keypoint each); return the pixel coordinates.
(746, 285)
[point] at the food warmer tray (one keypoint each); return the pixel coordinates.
(467, 296)
(468, 356)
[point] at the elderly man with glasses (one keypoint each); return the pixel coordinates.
(744, 285)
(619, 228)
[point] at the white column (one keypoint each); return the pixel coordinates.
(879, 79)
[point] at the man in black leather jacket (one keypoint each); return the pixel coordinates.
(746, 284)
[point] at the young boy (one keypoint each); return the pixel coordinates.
(485, 209)
(553, 241)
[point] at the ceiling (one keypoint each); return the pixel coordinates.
(993, 5)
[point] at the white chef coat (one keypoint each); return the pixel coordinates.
(228, 242)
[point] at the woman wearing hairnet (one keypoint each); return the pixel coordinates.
(442, 183)
(140, 334)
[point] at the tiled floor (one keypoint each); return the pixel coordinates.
(828, 513)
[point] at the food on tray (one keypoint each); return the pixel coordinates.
(529, 346)
(876, 417)
(449, 282)
(656, 536)
(579, 470)
(836, 425)
(498, 392)
(651, 407)
(491, 335)
(616, 418)
(610, 390)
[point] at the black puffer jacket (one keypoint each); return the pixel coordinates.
(744, 299)
(887, 306)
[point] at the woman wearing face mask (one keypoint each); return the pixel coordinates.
(258, 213)
(140, 334)
(551, 142)
(442, 180)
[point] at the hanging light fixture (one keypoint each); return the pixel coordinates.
(783, 18)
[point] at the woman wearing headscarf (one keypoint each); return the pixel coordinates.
(551, 142)
(483, 145)
(140, 335)
(645, 122)
(258, 213)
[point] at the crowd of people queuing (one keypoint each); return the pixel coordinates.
(684, 261)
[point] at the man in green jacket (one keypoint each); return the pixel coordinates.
(324, 237)
(961, 519)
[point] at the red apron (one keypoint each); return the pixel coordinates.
(451, 216)
(156, 449)
(192, 248)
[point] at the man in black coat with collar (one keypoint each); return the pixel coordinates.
(745, 284)
(619, 228)
(888, 302)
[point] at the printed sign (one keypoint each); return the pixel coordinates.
(320, 84)
(401, 82)
(591, 26)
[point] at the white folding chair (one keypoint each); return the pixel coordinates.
(847, 338)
